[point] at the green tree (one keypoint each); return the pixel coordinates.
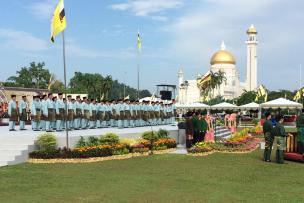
(246, 97)
(34, 76)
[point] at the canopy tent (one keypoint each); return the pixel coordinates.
(224, 106)
(250, 106)
(282, 104)
(150, 99)
(195, 105)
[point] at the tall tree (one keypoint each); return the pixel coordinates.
(34, 76)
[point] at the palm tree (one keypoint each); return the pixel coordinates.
(217, 78)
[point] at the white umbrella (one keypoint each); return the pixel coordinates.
(282, 104)
(250, 106)
(224, 106)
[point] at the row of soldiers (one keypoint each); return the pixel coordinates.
(48, 113)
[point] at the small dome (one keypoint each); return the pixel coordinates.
(222, 57)
(252, 30)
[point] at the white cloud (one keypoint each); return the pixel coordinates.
(22, 41)
(148, 8)
(42, 9)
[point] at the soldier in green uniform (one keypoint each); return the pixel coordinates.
(279, 132)
(269, 137)
(300, 137)
(195, 122)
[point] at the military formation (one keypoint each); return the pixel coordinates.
(48, 113)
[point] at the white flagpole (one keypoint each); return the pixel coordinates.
(300, 76)
(65, 92)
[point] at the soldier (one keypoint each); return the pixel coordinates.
(78, 113)
(300, 127)
(280, 134)
(71, 112)
(53, 117)
(36, 113)
(133, 114)
(162, 113)
(127, 113)
(23, 107)
(48, 112)
(121, 113)
(157, 110)
(43, 108)
(85, 113)
(12, 113)
(137, 117)
(60, 112)
(108, 114)
(269, 137)
(93, 114)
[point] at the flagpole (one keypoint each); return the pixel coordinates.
(65, 91)
(137, 75)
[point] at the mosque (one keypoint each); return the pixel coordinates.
(188, 91)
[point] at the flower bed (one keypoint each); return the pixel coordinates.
(240, 142)
(105, 146)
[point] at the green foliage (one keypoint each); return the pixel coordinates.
(81, 142)
(162, 133)
(149, 135)
(109, 138)
(34, 76)
(92, 141)
(246, 98)
(255, 121)
(46, 142)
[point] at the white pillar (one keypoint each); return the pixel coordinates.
(251, 79)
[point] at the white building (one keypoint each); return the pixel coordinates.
(188, 91)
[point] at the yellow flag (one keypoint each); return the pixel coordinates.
(102, 97)
(127, 97)
(138, 42)
(58, 21)
(297, 96)
(204, 79)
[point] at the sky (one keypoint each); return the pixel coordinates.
(101, 37)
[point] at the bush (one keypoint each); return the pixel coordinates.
(109, 138)
(162, 133)
(149, 135)
(81, 142)
(255, 121)
(92, 141)
(46, 142)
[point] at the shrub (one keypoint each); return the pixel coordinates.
(109, 138)
(162, 133)
(81, 142)
(149, 135)
(46, 142)
(92, 141)
(255, 121)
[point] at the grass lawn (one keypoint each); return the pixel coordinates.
(159, 178)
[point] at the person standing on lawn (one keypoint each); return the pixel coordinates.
(202, 126)
(279, 132)
(300, 128)
(195, 121)
(269, 137)
(189, 130)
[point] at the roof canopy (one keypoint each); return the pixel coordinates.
(224, 106)
(281, 103)
(195, 105)
(250, 106)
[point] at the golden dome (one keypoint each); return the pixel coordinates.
(252, 30)
(222, 57)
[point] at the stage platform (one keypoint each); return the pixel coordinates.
(15, 145)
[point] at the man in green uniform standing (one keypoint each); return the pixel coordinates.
(300, 127)
(269, 137)
(279, 132)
